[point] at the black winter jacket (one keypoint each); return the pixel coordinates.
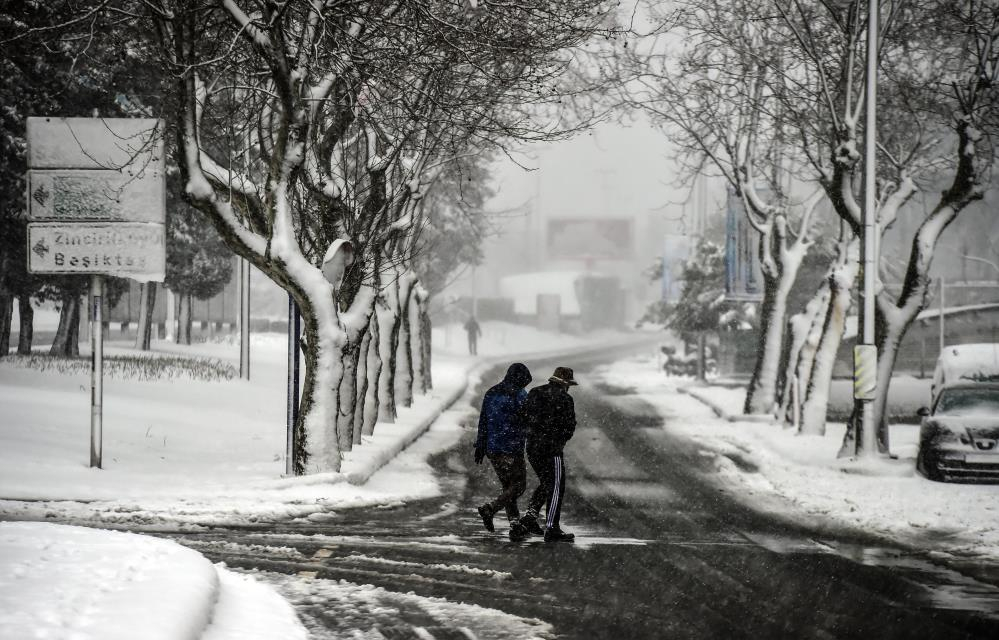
(550, 416)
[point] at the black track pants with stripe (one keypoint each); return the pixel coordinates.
(550, 469)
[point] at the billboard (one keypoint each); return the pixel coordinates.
(743, 279)
(590, 238)
(676, 250)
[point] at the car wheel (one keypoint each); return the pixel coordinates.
(926, 465)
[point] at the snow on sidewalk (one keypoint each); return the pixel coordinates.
(76, 583)
(800, 476)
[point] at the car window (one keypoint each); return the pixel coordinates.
(968, 401)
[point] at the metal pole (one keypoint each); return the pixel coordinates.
(294, 332)
(96, 370)
(244, 319)
(941, 319)
(867, 443)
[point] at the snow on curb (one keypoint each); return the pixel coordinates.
(720, 410)
(62, 581)
(250, 610)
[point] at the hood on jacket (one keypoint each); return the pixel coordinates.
(517, 375)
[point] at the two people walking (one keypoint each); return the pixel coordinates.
(541, 422)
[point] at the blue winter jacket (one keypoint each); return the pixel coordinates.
(501, 429)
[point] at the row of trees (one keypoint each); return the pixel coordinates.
(769, 95)
(331, 144)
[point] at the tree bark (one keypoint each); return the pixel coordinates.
(762, 390)
(144, 328)
(418, 382)
(816, 406)
(388, 340)
(374, 371)
(27, 325)
(67, 338)
(426, 344)
(403, 359)
(361, 386)
(6, 321)
(184, 320)
(804, 329)
(347, 397)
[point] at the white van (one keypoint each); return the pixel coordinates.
(966, 363)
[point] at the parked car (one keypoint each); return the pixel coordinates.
(959, 436)
(965, 363)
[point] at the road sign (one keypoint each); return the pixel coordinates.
(97, 205)
(865, 371)
(96, 197)
(82, 195)
(111, 144)
(134, 250)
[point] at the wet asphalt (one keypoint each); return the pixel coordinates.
(661, 552)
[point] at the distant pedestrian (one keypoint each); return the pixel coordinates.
(501, 439)
(474, 331)
(550, 416)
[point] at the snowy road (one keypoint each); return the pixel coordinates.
(660, 553)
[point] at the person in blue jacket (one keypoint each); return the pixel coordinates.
(501, 438)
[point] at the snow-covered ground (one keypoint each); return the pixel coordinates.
(187, 449)
(184, 451)
(801, 477)
(60, 581)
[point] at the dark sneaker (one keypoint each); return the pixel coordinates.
(557, 535)
(518, 532)
(486, 513)
(530, 523)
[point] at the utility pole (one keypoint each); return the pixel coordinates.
(941, 319)
(294, 334)
(244, 319)
(865, 354)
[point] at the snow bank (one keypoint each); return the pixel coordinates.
(800, 476)
(59, 581)
(250, 610)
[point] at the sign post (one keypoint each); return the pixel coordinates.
(96, 206)
(294, 334)
(96, 370)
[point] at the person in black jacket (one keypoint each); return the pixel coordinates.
(550, 415)
(501, 438)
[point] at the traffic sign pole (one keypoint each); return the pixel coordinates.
(96, 370)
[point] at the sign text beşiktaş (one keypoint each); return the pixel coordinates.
(128, 249)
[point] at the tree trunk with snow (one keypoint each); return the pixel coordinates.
(184, 319)
(416, 328)
(403, 359)
(361, 385)
(816, 405)
(779, 262)
(803, 329)
(144, 329)
(374, 372)
(27, 325)
(67, 338)
(388, 339)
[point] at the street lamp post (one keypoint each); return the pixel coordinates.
(865, 357)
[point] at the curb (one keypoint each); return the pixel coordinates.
(389, 453)
(721, 412)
